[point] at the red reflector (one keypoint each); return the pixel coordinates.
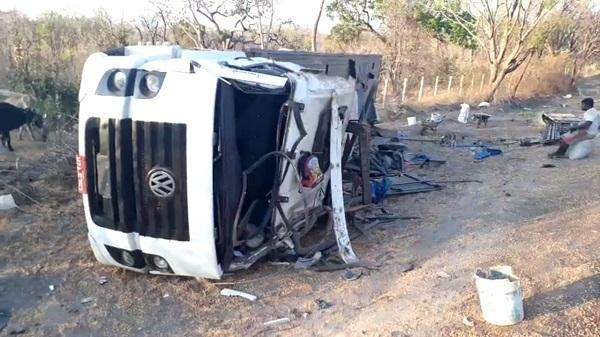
(310, 170)
(81, 174)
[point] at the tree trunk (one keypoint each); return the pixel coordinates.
(260, 26)
(494, 86)
(494, 72)
(139, 30)
(514, 93)
(316, 27)
(574, 72)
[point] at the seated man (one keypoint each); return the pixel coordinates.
(588, 129)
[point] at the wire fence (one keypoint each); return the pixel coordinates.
(412, 90)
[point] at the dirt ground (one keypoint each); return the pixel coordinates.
(544, 222)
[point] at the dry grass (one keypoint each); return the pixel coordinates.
(544, 77)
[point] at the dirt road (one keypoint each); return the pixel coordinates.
(545, 222)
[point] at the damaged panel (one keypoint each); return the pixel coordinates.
(312, 99)
(337, 193)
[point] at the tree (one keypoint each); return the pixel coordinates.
(47, 58)
(443, 29)
(114, 33)
(356, 17)
(148, 28)
(316, 26)
(397, 34)
(575, 32)
(503, 31)
(226, 24)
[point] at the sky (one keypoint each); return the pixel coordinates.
(302, 12)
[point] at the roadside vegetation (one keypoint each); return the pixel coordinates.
(498, 50)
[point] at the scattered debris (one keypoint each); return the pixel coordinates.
(18, 331)
(423, 160)
(548, 166)
(87, 300)
(443, 274)
(351, 275)
(481, 118)
(379, 188)
(529, 142)
(468, 322)
(329, 267)
(307, 262)
(484, 104)
(277, 321)
(390, 217)
(4, 318)
(449, 139)
(23, 194)
(567, 96)
(406, 267)
(431, 124)
(465, 111)
(166, 296)
(556, 125)
(484, 152)
(279, 263)
(508, 195)
(408, 184)
(459, 181)
(322, 304)
(7, 202)
(230, 292)
(436, 117)
(103, 280)
(51, 287)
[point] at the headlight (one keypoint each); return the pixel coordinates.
(117, 81)
(151, 84)
(128, 259)
(160, 263)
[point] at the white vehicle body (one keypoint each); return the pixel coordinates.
(154, 169)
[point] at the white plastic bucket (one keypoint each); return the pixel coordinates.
(411, 120)
(500, 295)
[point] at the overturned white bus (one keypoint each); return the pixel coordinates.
(200, 162)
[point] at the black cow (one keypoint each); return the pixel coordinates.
(12, 117)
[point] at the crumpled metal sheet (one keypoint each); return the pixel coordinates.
(337, 193)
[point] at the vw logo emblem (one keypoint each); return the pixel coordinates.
(161, 183)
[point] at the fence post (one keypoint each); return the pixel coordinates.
(404, 90)
(472, 83)
(385, 91)
(421, 88)
(482, 80)
(462, 81)
(449, 84)
(435, 87)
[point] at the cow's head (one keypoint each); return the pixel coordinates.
(34, 118)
